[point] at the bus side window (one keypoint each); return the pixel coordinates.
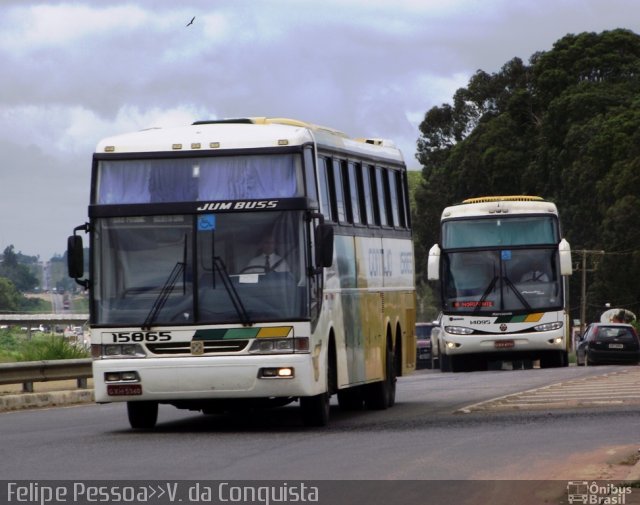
(341, 210)
(346, 187)
(393, 198)
(405, 211)
(309, 172)
(354, 194)
(382, 193)
(326, 200)
(364, 193)
(371, 177)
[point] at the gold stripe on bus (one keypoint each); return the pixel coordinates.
(274, 331)
(510, 198)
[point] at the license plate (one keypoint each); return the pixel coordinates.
(504, 344)
(124, 389)
(616, 346)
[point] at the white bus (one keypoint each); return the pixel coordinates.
(502, 265)
(248, 262)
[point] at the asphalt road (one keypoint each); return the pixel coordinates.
(424, 437)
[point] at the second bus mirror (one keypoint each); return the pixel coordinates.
(324, 245)
(566, 267)
(75, 257)
(433, 263)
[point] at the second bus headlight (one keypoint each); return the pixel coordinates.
(548, 326)
(458, 330)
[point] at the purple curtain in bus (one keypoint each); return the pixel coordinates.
(246, 177)
(201, 179)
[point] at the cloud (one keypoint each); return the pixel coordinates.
(76, 130)
(75, 72)
(31, 28)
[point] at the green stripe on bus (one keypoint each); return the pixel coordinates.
(511, 319)
(225, 334)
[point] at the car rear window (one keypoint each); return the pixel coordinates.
(423, 332)
(611, 333)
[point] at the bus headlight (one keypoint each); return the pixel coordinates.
(548, 326)
(279, 345)
(285, 372)
(458, 330)
(119, 351)
(121, 377)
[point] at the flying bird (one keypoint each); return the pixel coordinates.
(191, 22)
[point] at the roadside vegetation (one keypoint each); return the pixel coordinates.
(564, 126)
(15, 345)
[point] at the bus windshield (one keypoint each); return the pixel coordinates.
(499, 232)
(213, 268)
(506, 280)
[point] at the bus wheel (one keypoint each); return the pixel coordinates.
(351, 398)
(445, 363)
(315, 409)
(142, 415)
(382, 394)
(552, 359)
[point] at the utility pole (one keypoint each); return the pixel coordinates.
(596, 256)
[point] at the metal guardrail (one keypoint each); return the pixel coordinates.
(61, 318)
(28, 372)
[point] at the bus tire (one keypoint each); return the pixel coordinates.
(142, 415)
(351, 398)
(315, 410)
(552, 359)
(382, 394)
(445, 363)
(458, 363)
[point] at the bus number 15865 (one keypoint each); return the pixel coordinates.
(141, 336)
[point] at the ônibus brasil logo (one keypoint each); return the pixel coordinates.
(582, 491)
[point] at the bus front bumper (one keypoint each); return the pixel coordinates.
(454, 345)
(206, 378)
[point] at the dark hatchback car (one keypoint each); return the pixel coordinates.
(608, 343)
(423, 340)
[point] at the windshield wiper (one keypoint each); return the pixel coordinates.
(517, 293)
(163, 296)
(221, 268)
(484, 296)
(167, 289)
(490, 287)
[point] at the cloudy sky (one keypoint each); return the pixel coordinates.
(74, 72)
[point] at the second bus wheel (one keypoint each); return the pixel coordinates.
(382, 394)
(142, 415)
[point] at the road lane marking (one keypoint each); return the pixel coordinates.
(611, 388)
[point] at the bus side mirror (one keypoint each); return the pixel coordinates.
(75, 256)
(433, 264)
(566, 267)
(324, 245)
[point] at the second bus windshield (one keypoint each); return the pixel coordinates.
(512, 280)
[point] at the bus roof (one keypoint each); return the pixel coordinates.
(500, 205)
(245, 133)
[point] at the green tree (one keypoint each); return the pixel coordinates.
(16, 271)
(9, 296)
(565, 126)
